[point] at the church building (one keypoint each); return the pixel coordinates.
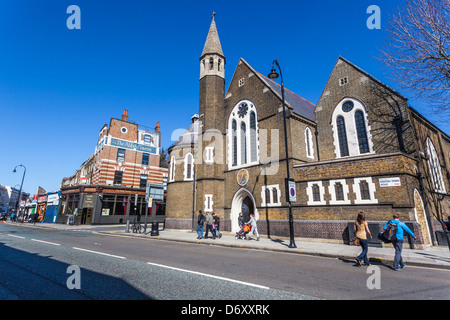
(360, 148)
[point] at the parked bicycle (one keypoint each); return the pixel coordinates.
(136, 227)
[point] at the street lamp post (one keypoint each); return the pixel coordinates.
(274, 75)
(21, 185)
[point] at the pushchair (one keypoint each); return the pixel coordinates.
(242, 233)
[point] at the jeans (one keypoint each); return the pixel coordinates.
(200, 230)
(216, 232)
(363, 255)
(209, 228)
(398, 246)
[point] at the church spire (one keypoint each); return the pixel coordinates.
(212, 44)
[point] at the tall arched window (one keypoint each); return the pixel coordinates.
(309, 143)
(435, 168)
(351, 129)
(243, 143)
(188, 167)
(253, 136)
(234, 137)
(242, 135)
(361, 132)
(342, 136)
(172, 169)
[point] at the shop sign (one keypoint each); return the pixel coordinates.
(132, 145)
(242, 177)
(88, 200)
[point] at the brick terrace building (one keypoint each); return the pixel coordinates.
(110, 186)
(362, 148)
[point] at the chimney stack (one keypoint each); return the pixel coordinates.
(158, 131)
(125, 115)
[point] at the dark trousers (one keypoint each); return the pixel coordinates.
(363, 255)
(398, 246)
(209, 228)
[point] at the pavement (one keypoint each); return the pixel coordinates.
(433, 256)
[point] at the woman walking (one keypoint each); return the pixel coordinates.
(361, 229)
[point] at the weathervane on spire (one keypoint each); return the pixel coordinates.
(213, 15)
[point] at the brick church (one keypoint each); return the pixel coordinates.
(360, 148)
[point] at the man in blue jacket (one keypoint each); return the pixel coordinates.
(398, 242)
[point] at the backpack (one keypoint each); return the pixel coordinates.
(390, 233)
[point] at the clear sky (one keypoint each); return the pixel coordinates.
(58, 87)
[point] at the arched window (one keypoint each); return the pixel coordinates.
(211, 63)
(342, 136)
(234, 137)
(351, 129)
(172, 169)
(309, 143)
(253, 136)
(188, 167)
(242, 135)
(361, 132)
(435, 167)
(243, 143)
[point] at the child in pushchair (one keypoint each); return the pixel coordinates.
(244, 230)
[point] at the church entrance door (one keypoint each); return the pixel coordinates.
(243, 201)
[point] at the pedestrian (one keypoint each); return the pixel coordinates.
(241, 222)
(398, 241)
(361, 229)
(216, 224)
(254, 229)
(209, 222)
(200, 222)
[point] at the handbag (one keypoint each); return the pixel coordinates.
(355, 241)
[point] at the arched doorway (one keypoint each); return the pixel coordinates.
(243, 201)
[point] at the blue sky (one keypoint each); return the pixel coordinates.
(58, 87)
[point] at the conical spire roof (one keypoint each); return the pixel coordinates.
(212, 44)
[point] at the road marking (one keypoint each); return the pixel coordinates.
(102, 253)
(12, 235)
(52, 243)
(209, 275)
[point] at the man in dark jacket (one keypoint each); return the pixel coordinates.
(200, 221)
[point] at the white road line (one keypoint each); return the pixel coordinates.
(12, 235)
(102, 253)
(52, 243)
(209, 275)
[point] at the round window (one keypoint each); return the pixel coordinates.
(124, 130)
(347, 106)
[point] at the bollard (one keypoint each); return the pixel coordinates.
(127, 230)
(155, 227)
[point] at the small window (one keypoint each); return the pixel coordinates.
(209, 154)
(211, 64)
(118, 175)
(364, 188)
(267, 196)
(143, 181)
(316, 192)
(120, 155)
(208, 202)
(147, 138)
(339, 191)
(145, 159)
(343, 81)
(241, 82)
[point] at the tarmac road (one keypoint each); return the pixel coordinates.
(115, 267)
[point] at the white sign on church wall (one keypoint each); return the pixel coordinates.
(390, 182)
